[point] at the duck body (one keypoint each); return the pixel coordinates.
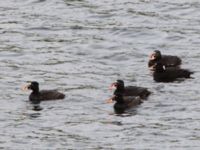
(37, 95)
(129, 90)
(45, 95)
(125, 102)
(166, 60)
(169, 74)
(135, 91)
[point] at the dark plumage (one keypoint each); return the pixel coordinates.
(125, 102)
(129, 90)
(166, 60)
(36, 96)
(162, 74)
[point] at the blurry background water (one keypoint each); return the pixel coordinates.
(80, 47)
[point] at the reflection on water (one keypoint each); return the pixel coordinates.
(32, 115)
(81, 47)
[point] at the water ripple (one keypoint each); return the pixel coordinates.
(80, 47)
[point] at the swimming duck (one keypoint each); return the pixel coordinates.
(36, 95)
(129, 90)
(162, 74)
(125, 102)
(166, 60)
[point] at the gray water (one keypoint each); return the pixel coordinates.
(80, 47)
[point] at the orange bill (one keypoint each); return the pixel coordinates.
(25, 87)
(110, 100)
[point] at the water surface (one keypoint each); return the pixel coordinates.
(80, 47)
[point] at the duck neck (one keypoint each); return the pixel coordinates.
(36, 91)
(157, 59)
(119, 100)
(119, 90)
(160, 69)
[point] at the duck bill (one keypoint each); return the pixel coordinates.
(25, 87)
(112, 86)
(109, 101)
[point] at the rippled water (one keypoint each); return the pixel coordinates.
(80, 47)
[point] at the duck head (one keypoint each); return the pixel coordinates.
(34, 86)
(118, 85)
(156, 55)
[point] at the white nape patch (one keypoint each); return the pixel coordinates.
(164, 67)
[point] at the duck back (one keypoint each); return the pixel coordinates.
(170, 61)
(51, 95)
(136, 91)
(171, 74)
(45, 95)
